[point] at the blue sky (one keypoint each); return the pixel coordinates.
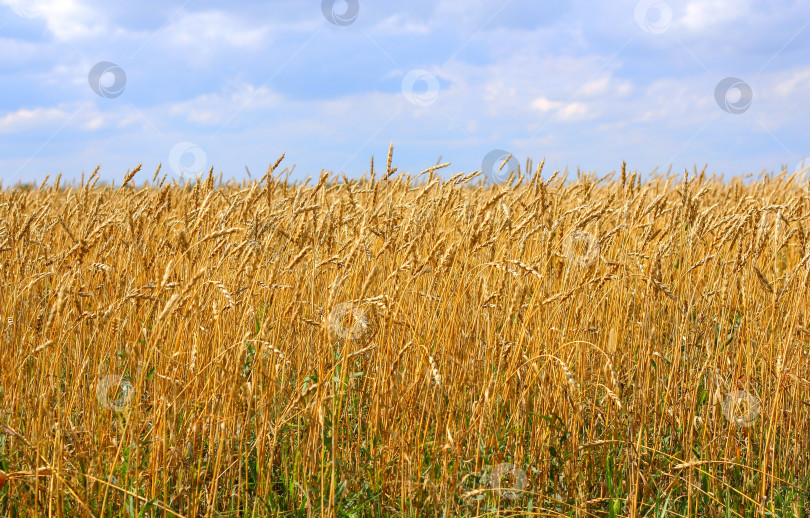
(235, 84)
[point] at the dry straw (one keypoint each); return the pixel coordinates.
(592, 329)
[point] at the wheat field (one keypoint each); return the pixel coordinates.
(406, 345)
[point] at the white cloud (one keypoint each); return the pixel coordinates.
(544, 104)
(27, 120)
(64, 118)
(796, 82)
(95, 123)
(605, 86)
(207, 30)
(596, 87)
(462, 11)
(702, 14)
(565, 112)
(68, 20)
(398, 24)
(676, 102)
(218, 108)
(575, 112)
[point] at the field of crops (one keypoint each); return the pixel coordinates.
(417, 345)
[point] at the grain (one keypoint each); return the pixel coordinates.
(395, 337)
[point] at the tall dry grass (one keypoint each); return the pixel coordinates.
(406, 346)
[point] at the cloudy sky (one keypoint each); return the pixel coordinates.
(197, 83)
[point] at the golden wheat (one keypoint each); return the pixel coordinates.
(378, 346)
